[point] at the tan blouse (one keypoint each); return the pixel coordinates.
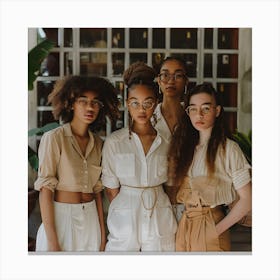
(232, 172)
(62, 165)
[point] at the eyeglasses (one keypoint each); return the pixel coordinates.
(146, 105)
(204, 109)
(165, 77)
(84, 102)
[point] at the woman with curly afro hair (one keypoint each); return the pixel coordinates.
(69, 166)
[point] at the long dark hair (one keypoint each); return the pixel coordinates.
(68, 89)
(186, 138)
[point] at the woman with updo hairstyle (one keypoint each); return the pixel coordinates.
(69, 166)
(134, 167)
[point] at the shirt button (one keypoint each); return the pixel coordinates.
(86, 171)
(85, 186)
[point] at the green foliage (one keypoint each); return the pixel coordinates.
(32, 155)
(35, 58)
(245, 143)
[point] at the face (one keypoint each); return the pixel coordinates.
(172, 78)
(141, 103)
(203, 111)
(86, 107)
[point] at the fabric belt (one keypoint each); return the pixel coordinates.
(143, 189)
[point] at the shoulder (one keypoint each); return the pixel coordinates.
(54, 133)
(118, 135)
(232, 145)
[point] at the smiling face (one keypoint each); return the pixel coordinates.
(203, 111)
(86, 108)
(141, 103)
(172, 79)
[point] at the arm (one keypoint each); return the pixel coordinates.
(99, 206)
(111, 193)
(240, 209)
(47, 213)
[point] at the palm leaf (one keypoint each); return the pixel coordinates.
(35, 58)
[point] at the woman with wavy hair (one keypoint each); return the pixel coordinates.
(69, 166)
(211, 171)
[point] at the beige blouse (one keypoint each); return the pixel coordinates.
(62, 165)
(232, 172)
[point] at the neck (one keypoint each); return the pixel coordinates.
(204, 136)
(79, 129)
(143, 129)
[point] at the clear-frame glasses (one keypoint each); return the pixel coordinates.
(203, 109)
(84, 102)
(165, 76)
(146, 105)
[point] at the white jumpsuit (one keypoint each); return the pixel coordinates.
(140, 217)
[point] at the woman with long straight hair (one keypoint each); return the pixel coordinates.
(211, 171)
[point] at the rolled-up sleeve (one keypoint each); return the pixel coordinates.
(109, 178)
(49, 155)
(240, 169)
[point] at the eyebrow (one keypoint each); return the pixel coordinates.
(206, 103)
(147, 98)
(177, 70)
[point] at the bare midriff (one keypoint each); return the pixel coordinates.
(73, 197)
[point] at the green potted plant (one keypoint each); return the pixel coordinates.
(35, 57)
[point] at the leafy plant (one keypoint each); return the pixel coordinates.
(32, 155)
(35, 58)
(245, 143)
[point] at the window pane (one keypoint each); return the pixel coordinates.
(227, 66)
(191, 85)
(120, 87)
(229, 93)
(158, 38)
(93, 64)
(138, 37)
(157, 59)
(118, 63)
(48, 33)
(183, 38)
(191, 62)
(117, 37)
(50, 65)
(44, 117)
(68, 37)
(93, 37)
(134, 57)
(228, 38)
(68, 63)
(44, 88)
(208, 38)
(230, 121)
(208, 65)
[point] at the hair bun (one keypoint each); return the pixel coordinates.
(138, 73)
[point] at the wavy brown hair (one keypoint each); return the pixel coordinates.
(68, 89)
(186, 138)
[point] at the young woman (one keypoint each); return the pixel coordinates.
(134, 167)
(69, 166)
(173, 82)
(211, 170)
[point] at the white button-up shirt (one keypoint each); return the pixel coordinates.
(125, 164)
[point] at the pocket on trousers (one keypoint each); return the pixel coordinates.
(119, 219)
(166, 223)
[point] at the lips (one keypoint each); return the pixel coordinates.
(199, 123)
(170, 88)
